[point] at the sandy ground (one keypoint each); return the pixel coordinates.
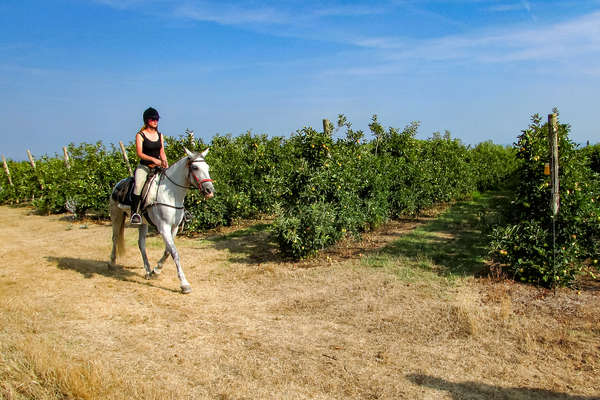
(258, 327)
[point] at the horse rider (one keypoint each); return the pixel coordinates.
(150, 149)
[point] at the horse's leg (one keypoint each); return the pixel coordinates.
(117, 217)
(158, 269)
(143, 231)
(167, 234)
(113, 253)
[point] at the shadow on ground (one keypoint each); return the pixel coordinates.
(89, 268)
(253, 245)
(454, 241)
(475, 390)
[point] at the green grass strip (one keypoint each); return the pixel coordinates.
(451, 246)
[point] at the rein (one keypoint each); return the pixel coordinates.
(175, 183)
(166, 205)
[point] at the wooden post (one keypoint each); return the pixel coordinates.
(6, 170)
(190, 137)
(326, 126)
(190, 134)
(31, 160)
(554, 181)
(66, 154)
(125, 158)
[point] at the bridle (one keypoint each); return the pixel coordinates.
(199, 182)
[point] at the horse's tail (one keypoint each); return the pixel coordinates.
(117, 217)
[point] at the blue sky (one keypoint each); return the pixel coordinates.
(84, 70)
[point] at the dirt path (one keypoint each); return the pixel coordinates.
(256, 327)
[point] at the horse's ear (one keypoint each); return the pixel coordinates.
(189, 153)
(204, 153)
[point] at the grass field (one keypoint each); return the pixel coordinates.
(407, 312)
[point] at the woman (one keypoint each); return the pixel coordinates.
(151, 151)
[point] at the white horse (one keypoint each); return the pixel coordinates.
(166, 213)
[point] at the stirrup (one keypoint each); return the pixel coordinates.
(136, 219)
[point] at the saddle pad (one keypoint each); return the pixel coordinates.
(150, 190)
(124, 190)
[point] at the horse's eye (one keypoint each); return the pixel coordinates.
(194, 167)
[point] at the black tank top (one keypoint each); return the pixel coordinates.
(150, 148)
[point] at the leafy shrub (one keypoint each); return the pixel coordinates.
(86, 185)
(592, 154)
(350, 187)
(305, 230)
(245, 177)
(492, 165)
(537, 247)
(25, 183)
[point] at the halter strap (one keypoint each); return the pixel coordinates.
(198, 181)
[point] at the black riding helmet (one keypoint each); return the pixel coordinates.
(150, 113)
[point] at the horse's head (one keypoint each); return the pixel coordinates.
(198, 173)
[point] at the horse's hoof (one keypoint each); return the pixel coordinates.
(186, 289)
(148, 275)
(156, 272)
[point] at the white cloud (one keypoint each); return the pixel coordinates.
(121, 4)
(523, 5)
(231, 14)
(247, 13)
(506, 7)
(565, 40)
(383, 43)
(571, 47)
(579, 37)
(291, 15)
(347, 11)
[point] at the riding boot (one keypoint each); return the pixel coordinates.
(136, 219)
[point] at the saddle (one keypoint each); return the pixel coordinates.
(124, 190)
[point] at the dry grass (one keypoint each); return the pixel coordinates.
(256, 326)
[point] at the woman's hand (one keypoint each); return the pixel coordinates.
(155, 161)
(164, 164)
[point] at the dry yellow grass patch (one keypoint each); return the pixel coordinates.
(257, 327)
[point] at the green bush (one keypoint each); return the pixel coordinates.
(535, 246)
(592, 154)
(492, 165)
(350, 187)
(86, 185)
(305, 230)
(25, 183)
(246, 177)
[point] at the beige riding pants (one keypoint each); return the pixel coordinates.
(140, 175)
